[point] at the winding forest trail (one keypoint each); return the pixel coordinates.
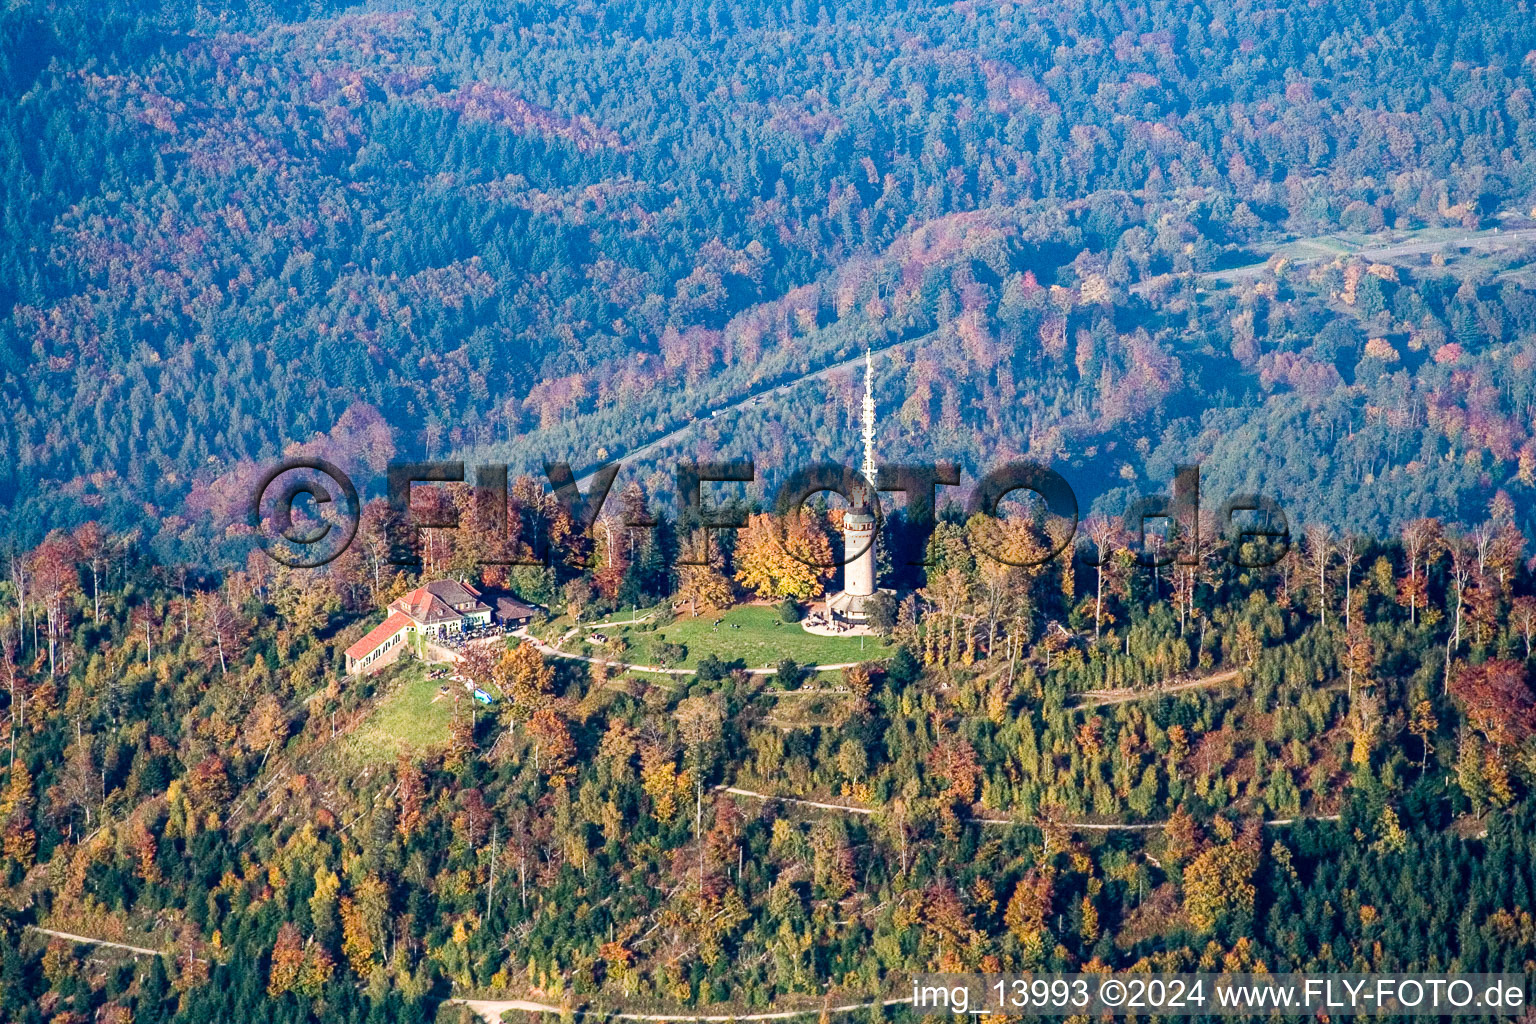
(752, 794)
(492, 1009)
(86, 940)
(1103, 698)
(1076, 826)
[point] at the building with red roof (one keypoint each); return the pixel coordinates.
(434, 611)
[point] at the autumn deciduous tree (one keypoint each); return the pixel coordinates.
(616, 749)
(1102, 531)
(266, 726)
(523, 675)
(578, 595)
(412, 793)
(473, 823)
(208, 785)
(1219, 882)
(1359, 656)
(223, 630)
(356, 942)
(191, 968)
(553, 747)
(1423, 723)
(317, 970)
(1030, 905)
(478, 663)
(78, 788)
(20, 841)
(145, 850)
(787, 556)
(858, 679)
(91, 544)
(700, 719)
(1522, 614)
(1498, 700)
(58, 961)
(54, 580)
(461, 742)
(662, 782)
(322, 902)
(954, 761)
(287, 960)
(1319, 551)
(612, 556)
(1182, 838)
(705, 585)
(1458, 580)
(1009, 555)
(1364, 723)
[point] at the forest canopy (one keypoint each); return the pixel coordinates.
(559, 231)
(1288, 244)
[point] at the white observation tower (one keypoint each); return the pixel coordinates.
(859, 523)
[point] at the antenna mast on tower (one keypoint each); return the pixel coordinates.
(869, 420)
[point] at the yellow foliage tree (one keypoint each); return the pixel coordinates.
(858, 680)
(1219, 882)
(662, 782)
(356, 942)
(323, 900)
(523, 674)
(786, 556)
(1030, 905)
(702, 586)
(20, 843)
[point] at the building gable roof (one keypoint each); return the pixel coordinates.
(425, 607)
(435, 602)
(392, 624)
(452, 592)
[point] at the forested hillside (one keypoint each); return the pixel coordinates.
(558, 230)
(1326, 765)
(1291, 243)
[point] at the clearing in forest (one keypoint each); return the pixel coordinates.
(752, 634)
(407, 720)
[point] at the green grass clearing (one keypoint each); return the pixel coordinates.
(407, 720)
(762, 640)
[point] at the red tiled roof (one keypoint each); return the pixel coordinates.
(425, 607)
(435, 602)
(378, 634)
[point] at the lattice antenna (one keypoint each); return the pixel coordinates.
(869, 420)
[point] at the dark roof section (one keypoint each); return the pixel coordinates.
(506, 606)
(452, 592)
